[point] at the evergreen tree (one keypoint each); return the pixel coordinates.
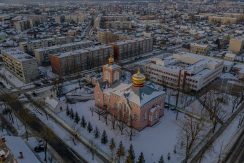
(112, 145)
(129, 159)
(168, 156)
(96, 133)
(161, 160)
(67, 111)
(132, 153)
(71, 114)
(141, 158)
(89, 127)
(104, 138)
(121, 150)
(175, 150)
(77, 118)
(83, 122)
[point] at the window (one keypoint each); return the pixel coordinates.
(145, 115)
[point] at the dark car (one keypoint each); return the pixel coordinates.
(39, 149)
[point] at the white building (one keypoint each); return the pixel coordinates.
(184, 70)
(20, 64)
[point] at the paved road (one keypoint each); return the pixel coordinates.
(198, 156)
(39, 128)
(236, 154)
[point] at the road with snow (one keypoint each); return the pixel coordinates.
(236, 154)
(40, 129)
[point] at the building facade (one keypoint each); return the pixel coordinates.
(236, 45)
(185, 71)
(199, 48)
(42, 54)
(22, 65)
(106, 37)
(30, 46)
(83, 59)
(132, 48)
(136, 104)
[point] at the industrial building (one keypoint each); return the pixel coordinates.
(22, 65)
(42, 54)
(74, 61)
(185, 71)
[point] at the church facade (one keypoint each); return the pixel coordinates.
(138, 104)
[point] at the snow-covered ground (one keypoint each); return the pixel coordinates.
(155, 141)
(221, 145)
(228, 76)
(11, 78)
(17, 145)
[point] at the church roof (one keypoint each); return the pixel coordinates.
(137, 95)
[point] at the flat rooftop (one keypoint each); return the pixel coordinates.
(63, 46)
(17, 54)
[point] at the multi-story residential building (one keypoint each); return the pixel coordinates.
(20, 64)
(199, 48)
(79, 17)
(105, 36)
(185, 71)
(42, 54)
(22, 25)
(78, 60)
(138, 103)
(30, 46)
(132, 48)
(222, 19)
(122, 25)
(236, 45)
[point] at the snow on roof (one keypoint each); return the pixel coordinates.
(16, 145)
(17, 54)
(139, 96)
(52, 102)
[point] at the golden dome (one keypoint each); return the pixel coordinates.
(138, 79)
(111, 59)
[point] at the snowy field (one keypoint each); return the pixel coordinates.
(155, 141)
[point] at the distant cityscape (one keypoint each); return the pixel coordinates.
(127, 81)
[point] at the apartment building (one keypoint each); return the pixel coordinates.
(83, 59)
(42, 54)
(115, 18)
(30, 46)
(222, 19)
(22, 65)
(236, 45)
(106, 36)
(199, 48)
(132, 48)
(185, 71)
(122, 25)
(70, 17)
(22, 25)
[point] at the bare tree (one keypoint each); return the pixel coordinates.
(131, 131)
(241, 120)
(113, 120)
(212, 103)
(99, 112)
(121, 121)
(191, 129)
